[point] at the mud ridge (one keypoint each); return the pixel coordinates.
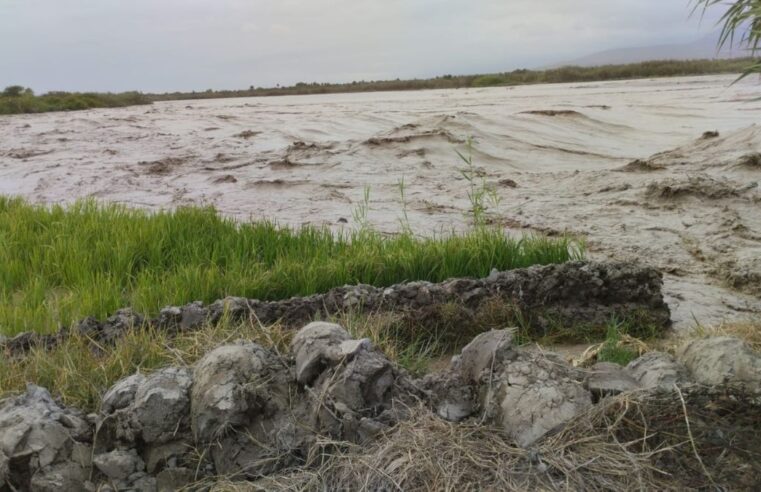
(573, 294)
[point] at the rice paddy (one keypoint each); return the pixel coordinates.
(60, 264)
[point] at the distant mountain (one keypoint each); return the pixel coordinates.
(700, 49)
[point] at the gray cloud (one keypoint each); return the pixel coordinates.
(163, 45)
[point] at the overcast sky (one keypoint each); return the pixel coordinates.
(167, 45)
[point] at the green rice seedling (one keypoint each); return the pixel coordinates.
(60, 264)
(612, 350)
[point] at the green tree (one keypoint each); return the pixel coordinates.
(13, 91)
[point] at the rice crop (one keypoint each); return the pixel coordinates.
(60, 264)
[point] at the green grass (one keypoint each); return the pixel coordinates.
(17, 100)
(60, 264)
(614, 351)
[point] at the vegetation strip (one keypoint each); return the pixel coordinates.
(567, 74)
(17, 99)
(61, 264)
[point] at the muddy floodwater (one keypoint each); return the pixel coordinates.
(665, 171)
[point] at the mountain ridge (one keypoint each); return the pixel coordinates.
(703, 48)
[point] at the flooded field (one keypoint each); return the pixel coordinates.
(664, 172)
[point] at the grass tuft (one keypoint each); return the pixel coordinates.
(612, 350)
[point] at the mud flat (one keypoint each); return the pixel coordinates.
(664, 172)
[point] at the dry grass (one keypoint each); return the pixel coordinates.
(699, 438)
(749, 331)
(79, 371)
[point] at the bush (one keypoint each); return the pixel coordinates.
(13, 91)
(488, 81)
(16, 99)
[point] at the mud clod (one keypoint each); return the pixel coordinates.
(121, 394)
(535, 394)
(229, 387)
(42, 443)
(657, 370)
(240, 411)
(485, 353)
(606, 379)
(119, 464)
(721, 360)
(316, 347)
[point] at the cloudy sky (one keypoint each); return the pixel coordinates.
(166, 45)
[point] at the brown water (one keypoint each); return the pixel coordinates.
(555, 154)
